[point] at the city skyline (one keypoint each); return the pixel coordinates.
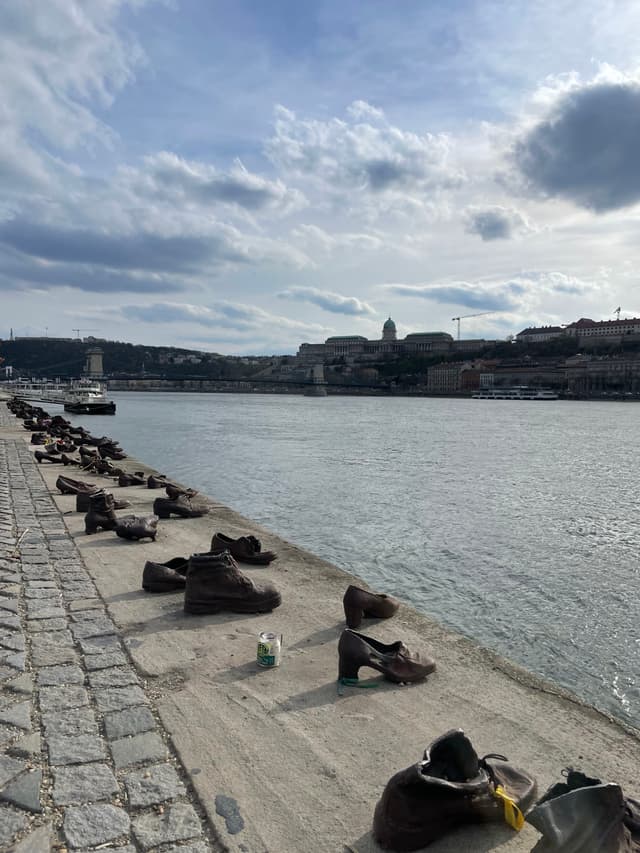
(237, 178)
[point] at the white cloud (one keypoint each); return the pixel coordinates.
(334, 302)
(362, 156)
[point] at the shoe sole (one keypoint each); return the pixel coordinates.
(216, 605)
(162, 587)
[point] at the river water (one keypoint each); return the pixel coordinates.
(515, 523)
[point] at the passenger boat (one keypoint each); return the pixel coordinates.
(518, 392)
(82, 397)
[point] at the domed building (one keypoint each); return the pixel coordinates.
(389, 330)
(360, 348)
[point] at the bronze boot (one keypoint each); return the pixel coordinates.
(584, 815)
(215, 582)
(449, 789)
(101, 512)
(247, 549)
(181, 506)
(359, 603)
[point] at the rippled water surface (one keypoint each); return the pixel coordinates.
(515, 523)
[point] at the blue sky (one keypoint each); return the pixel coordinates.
(242, 176)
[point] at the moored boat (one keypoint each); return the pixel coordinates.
(518, 392)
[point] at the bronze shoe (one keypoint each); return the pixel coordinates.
(395, 661)
(165, 577)
(135, 527)
(215, 582)
(359, 603)
(585, 815)
(449, 789)
(247, 549)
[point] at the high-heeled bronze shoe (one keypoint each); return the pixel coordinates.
(395, 661)
(359, 603)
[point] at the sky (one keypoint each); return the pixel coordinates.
(242, 176)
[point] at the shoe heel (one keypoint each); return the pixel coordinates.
(348, 668)
(353, 615)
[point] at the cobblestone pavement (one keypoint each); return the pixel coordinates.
(84, 764)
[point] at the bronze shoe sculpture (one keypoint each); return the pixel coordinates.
(135, 527)
(83, 502)
(174, 491)
(246, 549)
(165, 577)
(359, 603)
(46, 457)
(181, 506)
(394, 660)
(215, 583)
(101, 512)
(135, 479)
(584, 815)
(449, 789)
(156, 481)
(68, 486)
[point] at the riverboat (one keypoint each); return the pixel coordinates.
(81, 397)
(519, 392)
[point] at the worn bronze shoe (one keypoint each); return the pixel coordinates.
(395, 661)
(46, 457)
(101, 512)
(83, 502)
(449, 789)
(174, 491)
(247, 549)
(165, 577)
(135, 479)
(215, 582)
(181, 506)
(359, 603)
(68, 486)
(135, 527)
(584, 815)
(156, 481)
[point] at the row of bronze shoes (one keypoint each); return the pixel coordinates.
(451, 786)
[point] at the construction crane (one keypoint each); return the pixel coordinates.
(466, 317)
(617, 312)
(82, 330)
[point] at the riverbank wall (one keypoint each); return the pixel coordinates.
(259, 760)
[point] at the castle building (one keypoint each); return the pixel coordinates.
(360, 348)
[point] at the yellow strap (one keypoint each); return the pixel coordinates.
(512, 814)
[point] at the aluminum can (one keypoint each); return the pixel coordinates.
(269, 649)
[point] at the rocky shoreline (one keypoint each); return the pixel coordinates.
(127, 724)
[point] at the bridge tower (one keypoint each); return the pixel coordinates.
(93, 365)
(318, 388)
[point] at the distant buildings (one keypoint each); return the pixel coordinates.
(589, 332)
(359, 348)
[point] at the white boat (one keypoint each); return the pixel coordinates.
(518, 392)
(83, 396)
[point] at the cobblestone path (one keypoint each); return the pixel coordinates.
(84, 764)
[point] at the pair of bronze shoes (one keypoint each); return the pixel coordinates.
(171, 576)
(395, 661)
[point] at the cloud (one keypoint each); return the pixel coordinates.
(586, 148)
(221, 315)
(18, 272)
(495, 223)
(170, 177)
(333, 302)
(481, 296)
(180, 254)
(140, 251)
(317, 239)
(365, 154)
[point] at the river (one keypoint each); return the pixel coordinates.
(513, 522)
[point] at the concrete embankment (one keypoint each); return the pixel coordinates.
(277, 759)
